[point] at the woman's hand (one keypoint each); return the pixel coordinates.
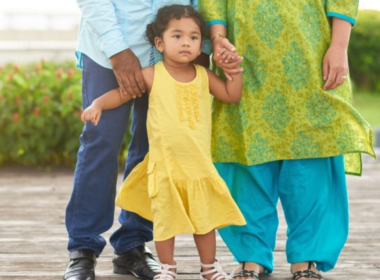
(335, 67)
(92, 114)
(225, 57)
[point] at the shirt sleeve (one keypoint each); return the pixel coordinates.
(214, 11)
(102, 21)
(343, 9)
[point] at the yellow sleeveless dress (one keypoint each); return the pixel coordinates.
(177, 186)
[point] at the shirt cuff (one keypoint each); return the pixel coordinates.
(341, 16)
(112, 42)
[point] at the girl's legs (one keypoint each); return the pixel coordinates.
(314, 198)
(206, 245)
(255, 190)
(165, 251)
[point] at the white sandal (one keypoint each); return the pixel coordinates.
(217, 269)
(165, 274)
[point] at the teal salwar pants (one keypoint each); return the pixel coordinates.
(313, 195)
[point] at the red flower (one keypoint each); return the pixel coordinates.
(70, 95)
(79, 112)
(36, 111)
(16, 67)
(38, 68)
(10, 77)
(16, 117)
(58, 73)
(46, 99)
(70, 72)
(18, 100)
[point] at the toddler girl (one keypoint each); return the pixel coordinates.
(177, 185)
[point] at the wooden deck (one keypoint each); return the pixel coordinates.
(33, 236)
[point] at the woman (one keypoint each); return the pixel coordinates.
(295, 133)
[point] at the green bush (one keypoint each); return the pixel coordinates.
(364, 51)
(40, 108)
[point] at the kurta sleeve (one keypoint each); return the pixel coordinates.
(343, 9)
(214, 11)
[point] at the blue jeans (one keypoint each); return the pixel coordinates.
(90, 211)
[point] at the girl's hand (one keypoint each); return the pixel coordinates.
(335, 67)
(225, 57)
(92, 114)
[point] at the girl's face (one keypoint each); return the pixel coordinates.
(181, 42)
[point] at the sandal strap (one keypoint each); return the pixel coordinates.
(307, 274)
(246, 274)
(219, 274)
(165, 274)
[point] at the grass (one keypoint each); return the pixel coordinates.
(368, 105)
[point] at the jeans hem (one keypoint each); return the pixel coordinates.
(125, 249)
(96, 252)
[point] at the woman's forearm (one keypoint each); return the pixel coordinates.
(341, 31)
(216, 30)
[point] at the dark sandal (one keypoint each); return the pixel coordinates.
(307, 274)
(245, 273)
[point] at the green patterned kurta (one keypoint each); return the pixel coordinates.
(284, 112)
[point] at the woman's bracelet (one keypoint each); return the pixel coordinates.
(218, 36)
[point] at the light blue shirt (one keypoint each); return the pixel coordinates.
(110, 26)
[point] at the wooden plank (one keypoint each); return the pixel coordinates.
(33, 241)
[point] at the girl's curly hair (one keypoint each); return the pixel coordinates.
(166, 14)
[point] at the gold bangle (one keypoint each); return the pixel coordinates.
(218, 36)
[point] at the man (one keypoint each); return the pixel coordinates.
(111, 50)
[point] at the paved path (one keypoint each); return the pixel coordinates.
(33, 235)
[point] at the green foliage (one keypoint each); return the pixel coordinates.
(368, 105)
(40, 108)
(364, 51)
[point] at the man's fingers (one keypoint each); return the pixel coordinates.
(135, 84)
(128, 87)
(140, 82)
(122, 88)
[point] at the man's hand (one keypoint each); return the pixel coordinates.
(127, 69)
